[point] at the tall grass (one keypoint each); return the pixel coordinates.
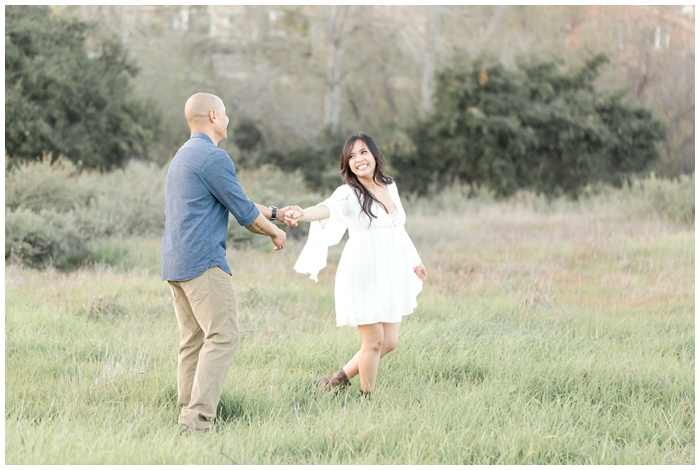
(58, 216)
(559, 333)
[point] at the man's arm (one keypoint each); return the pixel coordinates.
(280, 216)
(265, 210)
(263, 226)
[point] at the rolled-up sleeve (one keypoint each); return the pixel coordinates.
(220, 178)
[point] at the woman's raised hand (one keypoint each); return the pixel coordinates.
(292, 216)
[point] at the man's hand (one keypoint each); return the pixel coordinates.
(285, 215)
(279, 238)
(261, 225)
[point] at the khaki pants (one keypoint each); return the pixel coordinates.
(207, 313)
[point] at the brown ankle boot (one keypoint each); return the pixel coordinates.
(335, 380)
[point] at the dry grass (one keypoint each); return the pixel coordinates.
(546, 334)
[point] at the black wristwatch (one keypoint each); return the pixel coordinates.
(274, 212)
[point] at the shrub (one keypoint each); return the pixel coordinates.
(63, 99)
(44, 238)
(48, 183)
(673, 198)
(319, 160)
(127, 201)
(55, 214)
(58, 216)
(537, 127)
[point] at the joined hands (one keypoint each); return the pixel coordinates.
(290, 215)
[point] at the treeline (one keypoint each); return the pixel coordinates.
(536, 126)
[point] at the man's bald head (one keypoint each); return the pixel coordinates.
(206, 113)
(198, 106)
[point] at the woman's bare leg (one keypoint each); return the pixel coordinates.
(369, 355)
(391, 340)
(377, 337)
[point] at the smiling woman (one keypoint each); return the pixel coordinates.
(362, 168)
(380, 272)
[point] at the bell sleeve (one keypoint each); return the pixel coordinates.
(411, 252)
(322, 234)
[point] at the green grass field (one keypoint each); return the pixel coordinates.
(554, 336)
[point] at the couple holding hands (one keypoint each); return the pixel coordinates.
(378, 278)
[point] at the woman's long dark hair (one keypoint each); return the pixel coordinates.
(364, 196)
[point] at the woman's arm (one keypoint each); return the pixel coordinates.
(317, 212)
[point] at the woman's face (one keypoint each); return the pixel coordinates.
(361, 161)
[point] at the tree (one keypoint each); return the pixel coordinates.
(276, 65)
(62, 101)
(318, 160)
(335, 29)
(535, 127)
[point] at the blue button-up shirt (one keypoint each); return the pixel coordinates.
(200, 190)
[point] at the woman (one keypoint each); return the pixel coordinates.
(379, 274)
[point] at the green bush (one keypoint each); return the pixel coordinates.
(673, 198)
(44, 238)
(55, 215)
(319, 160)
(47, 183)
(63, 99)
(128, 201)
(650, 197)
(537, 127)
(58, 216)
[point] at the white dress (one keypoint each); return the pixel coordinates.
(375, 281)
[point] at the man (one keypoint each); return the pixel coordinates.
(201, 190)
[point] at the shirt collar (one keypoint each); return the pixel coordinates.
(200, 135)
